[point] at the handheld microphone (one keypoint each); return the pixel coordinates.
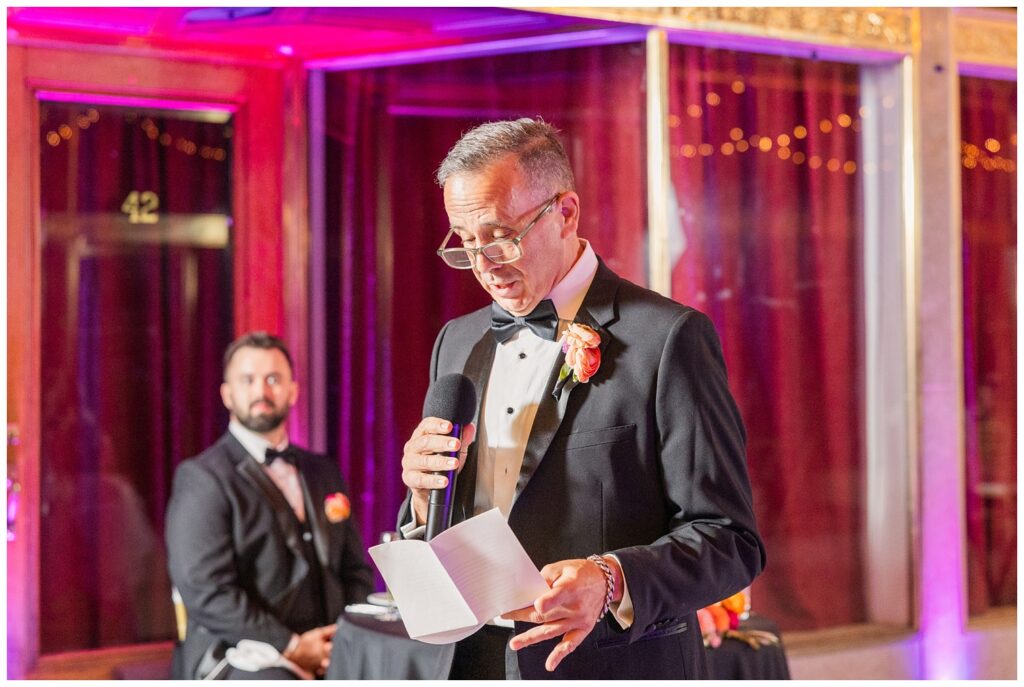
(453, 398)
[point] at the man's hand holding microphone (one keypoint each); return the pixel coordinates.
(436, 451)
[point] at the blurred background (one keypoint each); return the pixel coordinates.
(835, 187)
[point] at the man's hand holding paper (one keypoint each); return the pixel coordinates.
(570, 608)
(446, 589)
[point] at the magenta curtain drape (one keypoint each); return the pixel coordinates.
(768, 243)
(388, 293)
(988, 118)
(133, 329)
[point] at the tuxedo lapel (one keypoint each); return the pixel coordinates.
(598, 307)
(313, 498)
(252, 472)
(597, 310)
(478, 370)
(545, 425)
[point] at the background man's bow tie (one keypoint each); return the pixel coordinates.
(542, 321)
(288, 455)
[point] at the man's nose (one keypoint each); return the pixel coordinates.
(481, 263)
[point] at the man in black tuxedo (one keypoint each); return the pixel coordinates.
(618, 457)
(260, 543)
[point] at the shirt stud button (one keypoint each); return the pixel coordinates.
(522, 355)
(509, 411)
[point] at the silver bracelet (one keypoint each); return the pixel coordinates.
(609, 584)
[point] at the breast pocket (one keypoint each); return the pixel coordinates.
(599, 437)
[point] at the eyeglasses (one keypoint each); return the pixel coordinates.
(501, 252)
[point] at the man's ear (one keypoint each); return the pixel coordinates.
(570, 210)
(225, 396)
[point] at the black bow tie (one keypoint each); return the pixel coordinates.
(288, 455)
(542, 321)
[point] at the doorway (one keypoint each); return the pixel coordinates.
(135, 210)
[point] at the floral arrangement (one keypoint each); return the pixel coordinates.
(582, 348)
(337, 507)
(722, 621)
(719, 618)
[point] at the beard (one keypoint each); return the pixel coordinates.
(264, 422)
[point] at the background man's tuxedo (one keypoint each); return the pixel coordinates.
(237, 556)
(645, 461)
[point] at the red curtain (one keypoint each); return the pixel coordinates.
(388, 293)
(988, 118)
(135, 317)
(768, 243)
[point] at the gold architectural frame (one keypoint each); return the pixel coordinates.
(982, 37)
(886, 29)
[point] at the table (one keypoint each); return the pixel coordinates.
(366, 648)
(737, 660)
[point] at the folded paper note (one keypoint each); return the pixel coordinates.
(447, 588)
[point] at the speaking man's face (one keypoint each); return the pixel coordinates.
(259, 390)
(497, 203)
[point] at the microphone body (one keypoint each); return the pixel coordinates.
(453, 398)
(439, 503)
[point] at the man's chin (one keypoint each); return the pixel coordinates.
(261, 423)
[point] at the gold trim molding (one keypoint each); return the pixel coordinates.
(985, 41)
(981, 37)
(884, 29)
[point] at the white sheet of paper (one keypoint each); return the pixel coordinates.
(446, 589)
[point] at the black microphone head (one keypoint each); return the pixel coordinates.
(452, 397)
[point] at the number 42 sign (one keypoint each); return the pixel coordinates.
(141, 207)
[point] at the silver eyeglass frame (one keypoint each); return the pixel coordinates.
(444, 252)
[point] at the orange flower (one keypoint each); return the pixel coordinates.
(736, 603)
(337, 507)
(720, 616)
(581, 346)
(584, 362)
(580, 336)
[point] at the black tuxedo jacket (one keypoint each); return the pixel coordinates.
(235, 551)
(646, 461)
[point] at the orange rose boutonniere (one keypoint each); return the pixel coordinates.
(582, 348)
(337, 507)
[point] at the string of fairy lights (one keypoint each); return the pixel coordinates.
(985, 156)
(82, 122)
(64, 132)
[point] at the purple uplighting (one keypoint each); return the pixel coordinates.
(128, 101)
(829, 190)
(12, 507)
(496, 47)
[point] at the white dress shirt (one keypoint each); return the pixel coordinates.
(518, 382)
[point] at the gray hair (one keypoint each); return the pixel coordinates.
(534, 142)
